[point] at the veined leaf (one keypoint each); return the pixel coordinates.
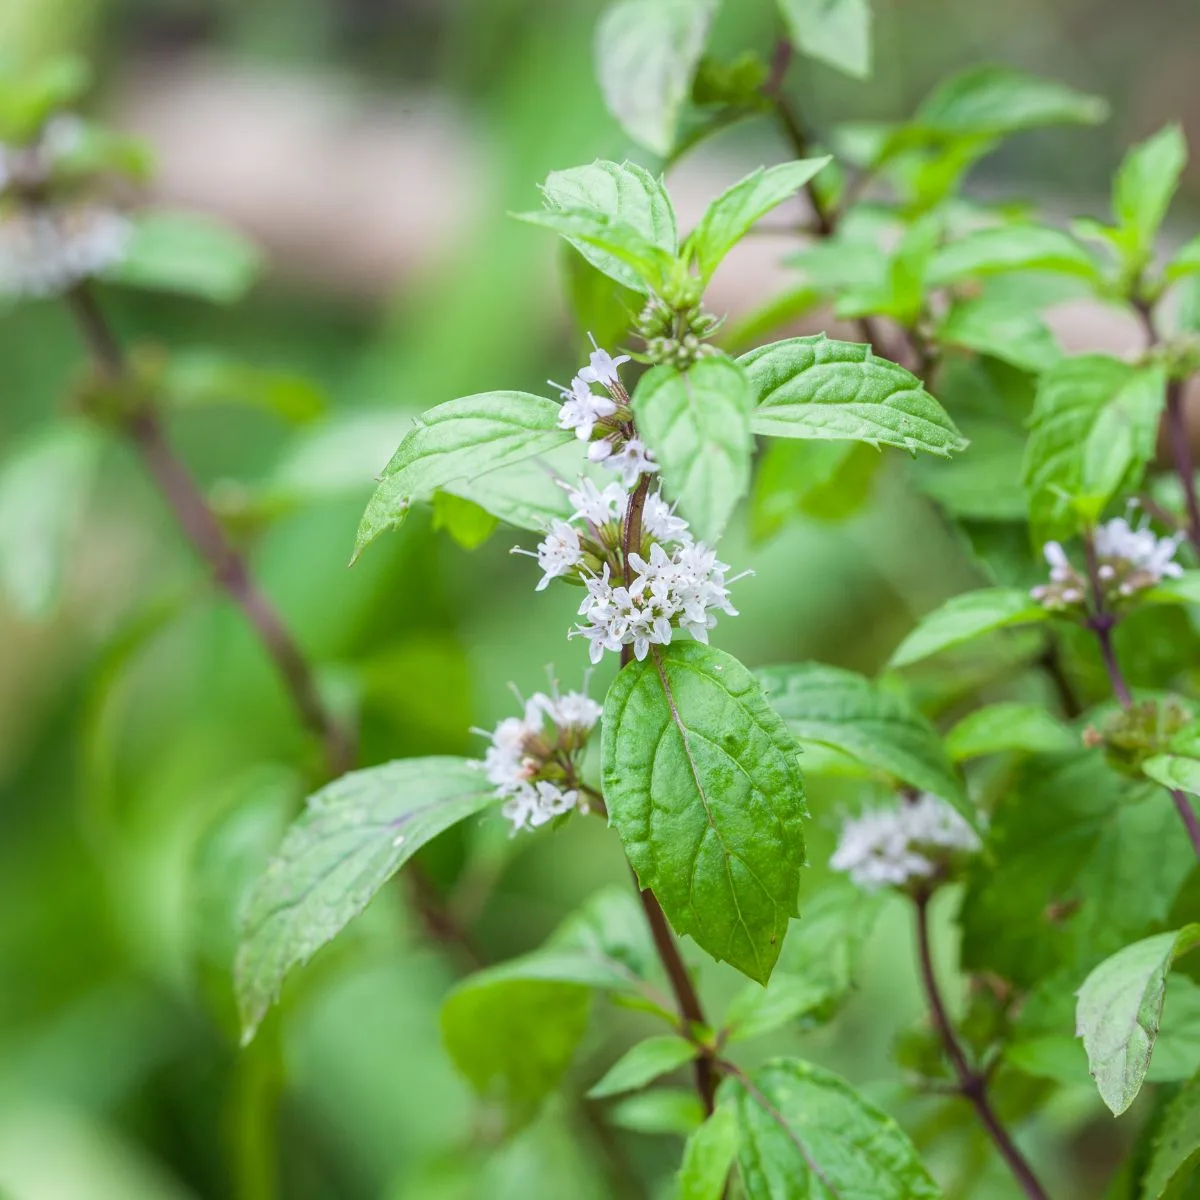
(623, 192)
(814, 387)
(643, 1064)
(733, 213)
(966, 617)
(697, 422)
(354, 835)
(1120, 1007)
(837, 32)
(1176, 1152)
(707, 1157)
(459, 440)
(999, 728)
(647, 52)
(1019, 247)
(808, 1135)
(840, 709)
(1179, 766)
(1004, 330)
(702, 784)
(1145, 183)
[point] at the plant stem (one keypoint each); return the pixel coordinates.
(1181, 452)
(972, 1083)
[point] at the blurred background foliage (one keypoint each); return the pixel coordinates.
(148, 756)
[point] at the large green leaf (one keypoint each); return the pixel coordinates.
(814, 387)
(1004, 329)
(879, 728)
(732, 214)
(1143, 188)
(460, 440)
(697, 422)
(1176, 1153)
(997, 728)
(1020, 247)
(1120, 1007)
(352, 837)
(807, 1135)
(643, 1064)
(623, 192)
(1094, 428)
(647, 52)
(966, 617)
(837, 32)
(992, 100)
(702, 784)
(707, 1157)
(44, 487)
(189, 254)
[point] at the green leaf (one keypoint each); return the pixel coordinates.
(352, 837)
(1012, 333)
(643, 1064)
(621, 251)
(1185, 262)
(29, 98)
(1179, 766)
(826, 481)
(816, 969)
(662, 1111)
(1184, 589)
(621, 192)
(735, 211)
(44, 487)
(879, 728)
(188, 254)
(808, 1135)
(707, 1157)
(697, 422)
(992, 100)
(964, 618)
(1094, 428)
(1142, 191)
(647, 52)
(702, 784)
(460, 440)
(1018, 247)
(813, 387)
(837, 32)
(468, 523)
(205, 378)
(1176, 1153)
(1001, 728)
(1120, 1007)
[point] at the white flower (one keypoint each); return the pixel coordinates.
(582, 408)
(594, 506)
(47, 250)
(536, 804)
(506, 764)
(602, 367)
(599, 451)
(558, 553)
(890, 847)
(1142, 550)
(632, 460)
(1060, 564)
(574, 711)
(661, 523)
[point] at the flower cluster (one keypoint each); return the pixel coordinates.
(675, 335)
(604, 418)
(891, 847)
(47, 249)
(1128, 560)
(533, 760)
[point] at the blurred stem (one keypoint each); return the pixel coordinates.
(232, 575)
(1181, 452)
(972, 1082)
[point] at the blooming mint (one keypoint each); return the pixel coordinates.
(893, 847)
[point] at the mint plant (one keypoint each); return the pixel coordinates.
(1026, 763)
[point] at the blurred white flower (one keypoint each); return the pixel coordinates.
(46, 250)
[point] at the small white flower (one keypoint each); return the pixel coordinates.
(48, 249)
(1142, 549)
(632, 460)
(574, 711)
(594, 506)
(892, 846)
(1060, 564)
(602, 368)
(582, 408)
(558, 553)
(599, 451)
(661, 523)
(539, 803)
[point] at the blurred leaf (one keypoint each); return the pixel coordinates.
(1017, 247)
(837, 32)
(27, 100)
(838, 708)
(460, 440)
(688, 733)
(601, 306)
(1006, 331)
(1176, 1146)
(465, 521)
(985, 483)
(90, 150)
(188, 254)
(644, 1063)
(707, 1157)
(996, 100)
(697, 422)
(664, 1110)
(1094, 429)
(737, 209)
(964, 618)
(1185, 262)
(201, 378)
(353, 836)
(623, 192)
(1120, 1006)
(817, 388)
(45, 484)
(1179, 767)
(647, 53)
(1000, 728)
(806, 1134)
(1142, 191)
